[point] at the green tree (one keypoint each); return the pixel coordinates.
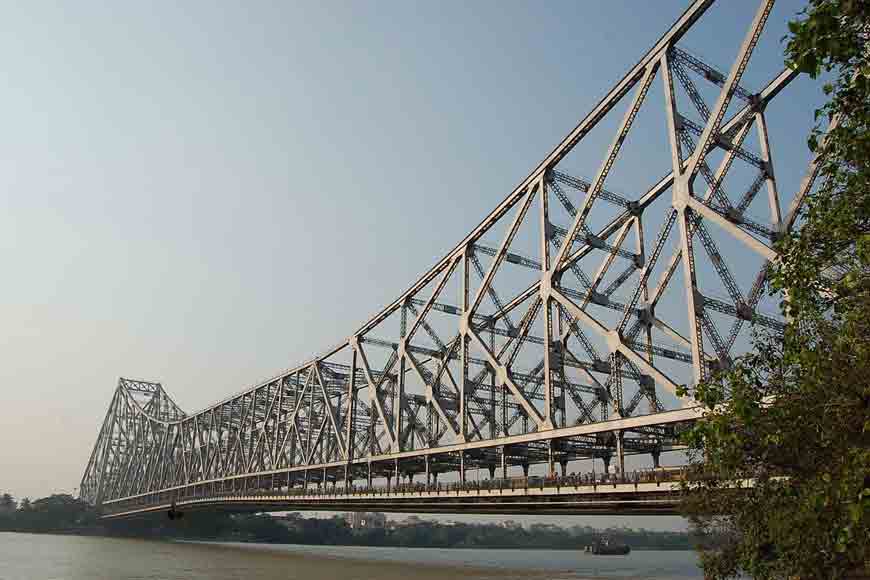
(793, 417)
(7, 503)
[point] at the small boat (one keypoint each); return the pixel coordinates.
(604, 547)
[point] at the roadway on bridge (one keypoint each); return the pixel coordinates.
(653, 492)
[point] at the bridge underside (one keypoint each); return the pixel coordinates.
(557, 496)
(557, 331)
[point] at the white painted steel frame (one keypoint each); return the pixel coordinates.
(311, 425)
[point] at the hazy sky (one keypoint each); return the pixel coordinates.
(205, 193)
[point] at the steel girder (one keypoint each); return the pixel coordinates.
(539, 338)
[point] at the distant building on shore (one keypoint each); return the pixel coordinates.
(366, 520)
(409, 522)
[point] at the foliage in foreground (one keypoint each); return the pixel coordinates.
(794, 415)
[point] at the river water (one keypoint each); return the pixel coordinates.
(47, 557)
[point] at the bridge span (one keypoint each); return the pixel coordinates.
(557, 332)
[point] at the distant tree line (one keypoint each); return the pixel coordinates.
(55, 513)
(63, 513)
(422, 534)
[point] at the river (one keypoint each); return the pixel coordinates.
(48, 557)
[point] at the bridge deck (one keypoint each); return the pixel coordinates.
(561, 495)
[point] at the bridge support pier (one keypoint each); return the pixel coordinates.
(492, 471)
(428, 472)
(551, 460)
(525, 469)
(504, 470)
(620, 453)
(656, 456)
(564, 466)
(462, 467)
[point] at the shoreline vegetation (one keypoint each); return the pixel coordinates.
(63, 514)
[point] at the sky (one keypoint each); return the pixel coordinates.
(205, 193)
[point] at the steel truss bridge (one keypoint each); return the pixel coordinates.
(557, 330)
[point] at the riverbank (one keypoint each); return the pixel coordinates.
(493, 548)
(253, 542)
